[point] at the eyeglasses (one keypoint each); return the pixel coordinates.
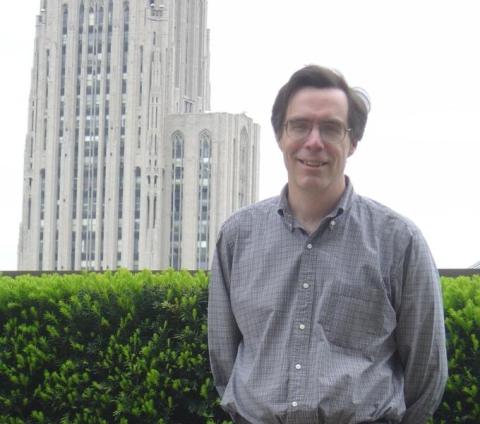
(330, 131)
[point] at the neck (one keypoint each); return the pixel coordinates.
(309, 208)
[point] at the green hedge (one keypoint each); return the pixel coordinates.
(132, 348)
(105, 348)
(461, 402)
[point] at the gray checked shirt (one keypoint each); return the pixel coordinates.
(343, 326)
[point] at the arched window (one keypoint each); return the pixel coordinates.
(176, 204)
(203, 215)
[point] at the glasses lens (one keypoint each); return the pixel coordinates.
(298, 128)
(332, 132)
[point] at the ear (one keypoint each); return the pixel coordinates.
(352, 148)
(279, 142)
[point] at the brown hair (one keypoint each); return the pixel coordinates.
(320, 77)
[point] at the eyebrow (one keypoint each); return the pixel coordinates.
(328, 120)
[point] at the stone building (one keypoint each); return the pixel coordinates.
(124, 164)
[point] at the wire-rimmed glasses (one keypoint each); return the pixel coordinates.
(330, 131)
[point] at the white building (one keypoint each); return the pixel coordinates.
(124, 166)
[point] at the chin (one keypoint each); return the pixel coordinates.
(312, 185)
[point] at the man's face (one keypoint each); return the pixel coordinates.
(314, 164)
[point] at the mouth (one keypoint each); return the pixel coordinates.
(312, 163)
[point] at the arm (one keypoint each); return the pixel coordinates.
(421, 333)
(223, 333)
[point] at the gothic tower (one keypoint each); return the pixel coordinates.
(124, 165)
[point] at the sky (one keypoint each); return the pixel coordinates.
(419, 62)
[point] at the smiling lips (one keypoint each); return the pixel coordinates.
(312, 163)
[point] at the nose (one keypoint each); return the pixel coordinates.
(314, 140)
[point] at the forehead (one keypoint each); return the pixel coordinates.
(312, 102)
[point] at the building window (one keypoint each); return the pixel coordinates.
(188, 106)
(154, 213)
(126, 15)
(61, 119)
(204, 187)
(136, 223)
(176, 200)
(87, 248)
(42, 218)
(42, 196)
(253, 185)
(243, 164)
(29, 212)
(86, 178)
(73, 250)
(40, 250)
(81, 16)
(109, 39)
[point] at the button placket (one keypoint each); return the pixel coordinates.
(300, 337)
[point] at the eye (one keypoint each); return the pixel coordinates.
(331, 129)
(299, 126)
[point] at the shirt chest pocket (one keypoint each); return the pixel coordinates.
(356, 318)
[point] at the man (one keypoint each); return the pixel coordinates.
(324, 306)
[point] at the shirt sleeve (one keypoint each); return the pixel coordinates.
(421, 333)
(223, 333)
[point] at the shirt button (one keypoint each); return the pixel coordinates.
(294, 403)
(309, 246)
(301, 326)
(298, 366)
(306, 285)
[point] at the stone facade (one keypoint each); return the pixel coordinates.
(124, 166)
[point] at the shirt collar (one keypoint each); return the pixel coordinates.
(343, 204)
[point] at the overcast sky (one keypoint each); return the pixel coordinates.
(418, 61)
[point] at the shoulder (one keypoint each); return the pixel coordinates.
(249, 217)
(379, 217)
(400, 245)
(396, 236)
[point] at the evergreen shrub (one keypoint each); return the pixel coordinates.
(105, 348)
(461, 401)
